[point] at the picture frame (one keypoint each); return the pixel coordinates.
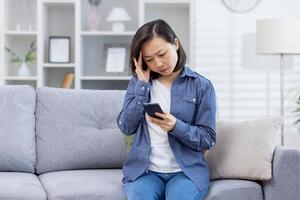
(59, 49)
(115, 57)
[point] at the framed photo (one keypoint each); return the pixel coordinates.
(116, 57)
(59, 49)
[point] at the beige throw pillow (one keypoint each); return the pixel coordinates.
(244, 149)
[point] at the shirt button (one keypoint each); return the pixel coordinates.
(148, 89)
(139, 102)
(120, 122)
(143, 88)
(194, 99)
(212, 144)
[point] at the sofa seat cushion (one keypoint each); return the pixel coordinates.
(234, 190)
(104, 184)
(20, 186)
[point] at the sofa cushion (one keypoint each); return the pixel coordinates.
(234, 190)
(104, 184)
(244, 149)
(17, 124)
(20, 186)
(77, 129)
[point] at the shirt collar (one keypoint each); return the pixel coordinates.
(187, 72)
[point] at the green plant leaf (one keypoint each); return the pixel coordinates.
(30, 57)
(10, 51)
(32, 45)
(297, 110)
(297, 122)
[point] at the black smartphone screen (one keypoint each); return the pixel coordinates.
(152, 108)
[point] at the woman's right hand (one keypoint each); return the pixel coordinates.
(143, 75)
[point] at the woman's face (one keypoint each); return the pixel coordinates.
(160, 56)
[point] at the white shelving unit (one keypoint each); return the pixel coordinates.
(37, 20)
(1, 44)
(20, 33)
(18, 30)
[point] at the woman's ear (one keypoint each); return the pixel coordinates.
(176, 43)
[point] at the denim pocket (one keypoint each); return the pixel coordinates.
(189, 105)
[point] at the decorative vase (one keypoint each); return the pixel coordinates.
(23, 70)
(93, 18)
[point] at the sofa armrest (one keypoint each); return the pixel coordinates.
(285, 182)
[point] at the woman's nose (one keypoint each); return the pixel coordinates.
(158, 62)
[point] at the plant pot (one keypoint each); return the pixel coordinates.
(23, 70)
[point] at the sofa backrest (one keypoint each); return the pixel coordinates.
(77, 129)
(17, 124)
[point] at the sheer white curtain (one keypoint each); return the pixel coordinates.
(242, 93)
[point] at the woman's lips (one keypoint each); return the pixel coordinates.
(164, 70)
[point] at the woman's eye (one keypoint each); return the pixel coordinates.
(162, 54)
(148, 60)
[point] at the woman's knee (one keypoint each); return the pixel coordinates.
(147, 187)
(181, 187)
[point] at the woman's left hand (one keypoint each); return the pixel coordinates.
(167, 123)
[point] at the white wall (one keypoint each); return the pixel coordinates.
(243, 93)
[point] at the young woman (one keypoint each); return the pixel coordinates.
(166, 160)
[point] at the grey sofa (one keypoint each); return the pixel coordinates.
(64, 144)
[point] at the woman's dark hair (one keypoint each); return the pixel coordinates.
(156, 28)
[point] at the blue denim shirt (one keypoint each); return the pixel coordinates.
(194, 106)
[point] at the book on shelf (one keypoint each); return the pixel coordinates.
(68, 80)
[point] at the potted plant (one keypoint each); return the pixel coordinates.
(297, 111)
(29, 57)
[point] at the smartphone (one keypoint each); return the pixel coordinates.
(152, 108)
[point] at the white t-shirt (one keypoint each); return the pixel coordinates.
(161, 156)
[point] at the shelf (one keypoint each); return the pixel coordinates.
(18, 78)
(58, 2)
(94, 53)
(91, 37)
(58, 65)
(104, 9)
(167, 1)
(58, 20)
(19, 15)
(33, 33)
(19, 44)
(94, 78)
(107, 33)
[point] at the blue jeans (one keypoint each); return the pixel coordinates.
(160, 186)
